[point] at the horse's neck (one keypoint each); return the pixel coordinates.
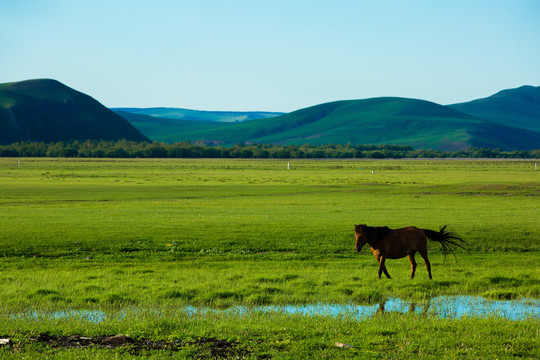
(374, 243)
(375, 235)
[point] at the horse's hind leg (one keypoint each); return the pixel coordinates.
(426, 260)
(413, 265)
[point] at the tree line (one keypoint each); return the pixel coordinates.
(186, 149)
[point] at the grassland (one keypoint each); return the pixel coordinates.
(145, 237)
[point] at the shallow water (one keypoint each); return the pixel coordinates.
(442, 307)
(453, 307)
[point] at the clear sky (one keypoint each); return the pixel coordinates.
(271, 55)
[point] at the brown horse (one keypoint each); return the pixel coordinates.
(386, 243)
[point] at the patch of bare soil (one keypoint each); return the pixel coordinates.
(204, 348)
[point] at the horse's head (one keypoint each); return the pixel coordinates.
(360, 234)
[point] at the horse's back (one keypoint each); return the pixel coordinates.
(405, 241)
(410, 231)
(413, 230)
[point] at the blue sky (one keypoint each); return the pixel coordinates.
(271, 55)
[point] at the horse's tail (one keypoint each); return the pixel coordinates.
(446, 238)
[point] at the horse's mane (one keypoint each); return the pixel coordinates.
(376, 233)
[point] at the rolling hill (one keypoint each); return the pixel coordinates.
(166, 129)
(386, 120)
(198, 115)
(47, 110)
(518, 107)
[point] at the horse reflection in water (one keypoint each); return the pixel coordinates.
(411, 309)
(386, 243)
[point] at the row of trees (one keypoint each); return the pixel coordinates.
(132, 149)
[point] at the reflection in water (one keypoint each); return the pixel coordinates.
(411, 307)
(442, 307)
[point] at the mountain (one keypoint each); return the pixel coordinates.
(47, 110)
(518, 107)
(386, 120)
(198, 115)
(165, 129)
(169, 124)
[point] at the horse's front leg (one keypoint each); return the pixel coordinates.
(382, 268)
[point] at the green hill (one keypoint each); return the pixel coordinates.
(198, 115)
(165, 129)
(518, 107)
(47, 110)
(386, 120)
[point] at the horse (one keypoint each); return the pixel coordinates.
(386, 243)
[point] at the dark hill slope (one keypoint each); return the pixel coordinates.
(388, 120)
(518, 107)
(47, 110)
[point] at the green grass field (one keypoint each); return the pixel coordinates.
(145, 237)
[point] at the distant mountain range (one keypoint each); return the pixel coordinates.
(46, 110)
(198, 115)
(509, 120)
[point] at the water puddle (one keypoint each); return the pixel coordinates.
(453, 307)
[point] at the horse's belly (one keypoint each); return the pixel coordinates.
(397, 256)
(399, 250)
